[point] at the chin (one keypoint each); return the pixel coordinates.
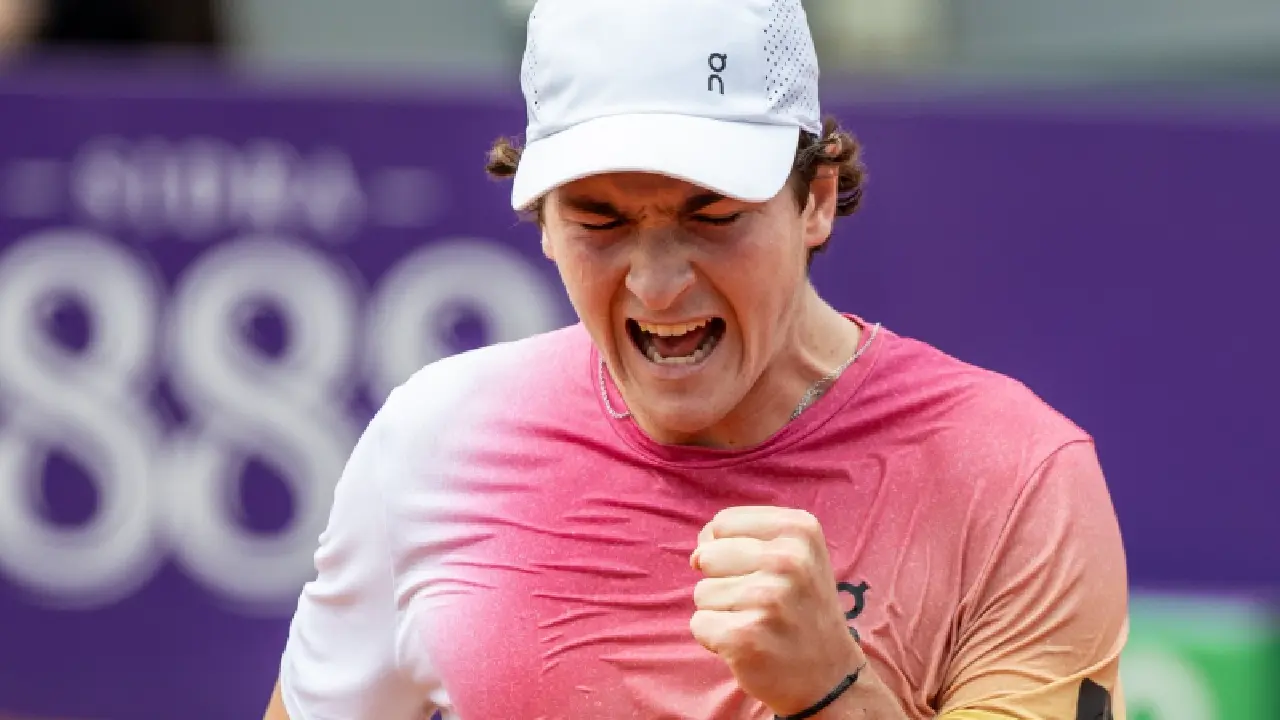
(682, 418)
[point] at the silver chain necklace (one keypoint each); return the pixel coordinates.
(811, 395)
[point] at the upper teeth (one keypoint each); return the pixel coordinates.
(672, 330)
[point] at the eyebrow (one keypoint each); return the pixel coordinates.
(702, 200)
(592, 207)
(606, 209)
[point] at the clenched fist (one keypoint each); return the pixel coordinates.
(768, 606)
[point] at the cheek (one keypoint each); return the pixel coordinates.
(590, 280)
(758, 274)
(774, 252)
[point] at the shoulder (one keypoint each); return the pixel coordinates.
(450, 413)
(500, 364)
(989, 418)
(496, 379)
(975, 440)
(991, 463)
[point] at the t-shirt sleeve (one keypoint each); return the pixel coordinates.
(341, 660)
(1042, 631)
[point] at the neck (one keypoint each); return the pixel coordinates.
(819, 342)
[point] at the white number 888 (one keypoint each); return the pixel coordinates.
(287, 410)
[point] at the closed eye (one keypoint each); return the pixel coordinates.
(718, 220)
(603, 226)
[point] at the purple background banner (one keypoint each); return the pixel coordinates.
(205, 290)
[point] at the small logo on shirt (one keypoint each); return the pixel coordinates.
(1094, 702)
(859, 594)
(718, 62)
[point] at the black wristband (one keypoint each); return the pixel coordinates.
(831, 697)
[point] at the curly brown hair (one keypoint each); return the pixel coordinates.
(835, 147)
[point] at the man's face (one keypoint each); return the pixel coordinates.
(692, 297)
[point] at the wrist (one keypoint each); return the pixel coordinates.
(825, 696)
(830, 706)
(868, 699)
(851, 704)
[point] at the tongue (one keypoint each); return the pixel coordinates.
(680, 345)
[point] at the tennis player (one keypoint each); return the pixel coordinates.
(716, 497)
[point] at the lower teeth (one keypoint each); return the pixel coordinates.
(703, 350)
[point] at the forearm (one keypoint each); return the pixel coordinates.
(275, 708)
(868, 699)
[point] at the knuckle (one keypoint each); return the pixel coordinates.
(808, 524)
(772, 596)
(790, 559)
(746, 640)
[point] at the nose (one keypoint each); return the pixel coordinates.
(660, 271)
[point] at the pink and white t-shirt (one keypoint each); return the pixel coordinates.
(500, 548)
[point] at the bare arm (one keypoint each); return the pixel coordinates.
(275, 708)
(869, 699)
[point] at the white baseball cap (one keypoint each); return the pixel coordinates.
(712, 92)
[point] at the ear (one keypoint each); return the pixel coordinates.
(546, 245)
(548, 248)
(820, 214)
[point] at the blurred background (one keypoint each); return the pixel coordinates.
(228, 229)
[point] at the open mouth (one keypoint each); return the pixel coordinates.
(682, 344)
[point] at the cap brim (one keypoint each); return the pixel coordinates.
(745, 161)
